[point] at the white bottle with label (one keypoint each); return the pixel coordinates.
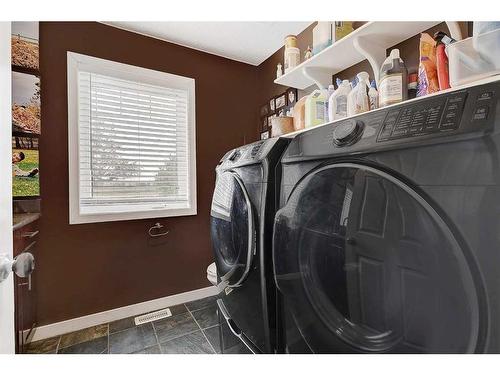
(351, 98)
(362, 102)
(315, 108)
(292, 58)
(393, 81)
(337, 104)
(330, 92)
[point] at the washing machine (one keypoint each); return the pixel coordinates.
(242, 215)
(387, 239)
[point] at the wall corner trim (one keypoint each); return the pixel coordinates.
(71, 325)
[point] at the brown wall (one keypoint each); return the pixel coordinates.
(87, 268)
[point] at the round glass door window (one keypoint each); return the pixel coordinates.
(367, 265)
(232, 229)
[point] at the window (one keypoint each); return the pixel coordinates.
(131, 142)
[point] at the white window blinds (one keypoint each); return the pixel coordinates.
(133, 146)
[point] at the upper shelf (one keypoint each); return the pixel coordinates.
(370, 41)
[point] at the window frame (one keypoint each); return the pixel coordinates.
(76, 62)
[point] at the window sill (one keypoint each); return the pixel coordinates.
(77, 218)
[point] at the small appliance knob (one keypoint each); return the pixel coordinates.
(346, 133)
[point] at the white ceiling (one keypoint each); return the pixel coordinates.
(249, 42)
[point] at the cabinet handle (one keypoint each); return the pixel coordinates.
(30, 234)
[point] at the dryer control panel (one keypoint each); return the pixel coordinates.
(427, 120)
(249, 154)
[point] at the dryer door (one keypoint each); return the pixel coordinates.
(365, 264)
(232, 229)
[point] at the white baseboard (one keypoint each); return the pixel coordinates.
(71, 325)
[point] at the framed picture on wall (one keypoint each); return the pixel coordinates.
(280, 101)
(269, 119)
(25, 103)
(264, 110)
(263, 124)
(25, 172)
(272, 105)
(24, 45)
(292, 96)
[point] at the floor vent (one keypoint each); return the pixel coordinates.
(151, 317)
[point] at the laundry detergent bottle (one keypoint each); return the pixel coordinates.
(337, 104)
(351, 98)
(316, 108)
(393, 81)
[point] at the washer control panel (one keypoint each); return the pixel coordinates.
(444, 117)
(436, 115)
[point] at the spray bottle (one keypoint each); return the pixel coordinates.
(373, 96)
(362, 102)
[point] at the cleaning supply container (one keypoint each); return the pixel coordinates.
(474, 58)
(315, 108)
(281, 126)
(299, 114)
(393, 81)
(337, 103)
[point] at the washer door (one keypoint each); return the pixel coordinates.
(365, 264)
(232, 229)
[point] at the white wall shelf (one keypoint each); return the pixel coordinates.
(370, 41)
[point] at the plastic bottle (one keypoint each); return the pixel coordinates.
(412, 85)
(393, 82)
(351, 98)
(315, 108)
(337, 104)
(361, 77)
(373, 96)
(442, 60)
(330, 91)
(362, 102)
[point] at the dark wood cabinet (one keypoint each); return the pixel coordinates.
(25, 239)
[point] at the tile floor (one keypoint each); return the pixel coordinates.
(192, 328)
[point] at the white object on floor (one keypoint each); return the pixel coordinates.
(153, 316)
(212, 273)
